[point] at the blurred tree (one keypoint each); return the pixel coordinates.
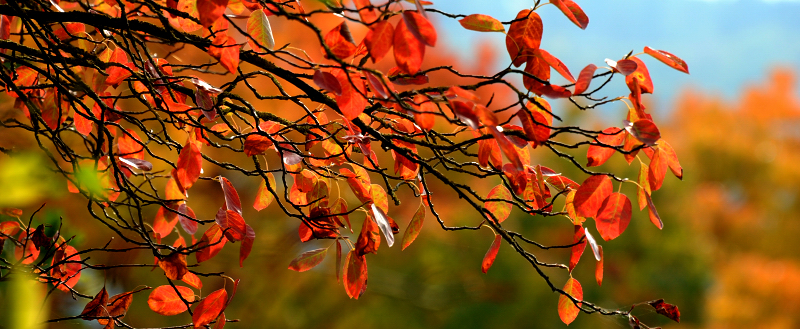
(140, 104)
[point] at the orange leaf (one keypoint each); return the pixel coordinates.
(614, 216)
(174, 266)
(232, 201)
(499, 209)
(247, 244)
(192, 280)
(308, 260)
(658, 170)
(369, 239)
(667, 58)
(671, 157)
(573, 12)
(210, 11)
(352, 101)
(340, 42)
(644, 185)
(355, 276)
(590, 196)
(556, 64)
(584, 79)
(165, 221)
(414, 227)
(567, 310)
(379, 40)
(598, 270)
(263, 196)
(165, 300)
(234, 226)
(229, 55)
(652, 213)
(210, 244)
(482, 23)
(209, 308)
(365, 11)
(328, 82)
(188, 167)
(524, 36)
(641, 75)
(491, 254)
(69, 273)
(598, 154)
(578, 248)
(408, 49)
(507, 147)
(420, 27)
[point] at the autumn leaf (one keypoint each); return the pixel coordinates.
(210, 244)
(117, 307)
(584, 79)
(165, 300)
(340, 41)
(260, 31)
(641, 75)
(556, 64)
(327, 82)
(232, 201)
(666, 309)
(308, 260)
(499, 209)
(355, 275)
(414, 227)
(209, 308)
(420, 27)
(667, 58)
(210, 10)
(598, 270)
(369, 239)
(263, 196)
(97, 306)
(644, 130)
(174, 266)
(658, 170)
(578, 248)
(567, 310)
(186, 218)
(524, 36)
(247, 244)
(491, 254)
(590, 196)
(598, 154)
(408, 49)
(671, 157)
(379, 40)
(614, 216)
(189, 165)
(482, 23)
(573, 12)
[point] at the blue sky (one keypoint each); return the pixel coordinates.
(726, 43)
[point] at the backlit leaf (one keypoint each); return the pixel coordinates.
(408, 49)
(235, 228)
(117, 307)
(597, 154)
(482, 23)
(567, 310)
(327, 82)
(491, 254)
(414, 227)
(598, 270)
(174, 266)
(165, 301)
(379, 40)
(351, 102)
(188, 167)
(369, 239)
(499, 209)
(658, 170)
(667, 58)
(577, 250)
(261, 32)
(247, 244)
(308, 260)
(232, 201)
(420, 27)
(210, 10)
(584, 79)
(653, 214)
(97, 306)
(591, 194)
(209, 308)
(340, 42)
(365, 11)
(524, 36)
(641, 75)
(192, 280)
(355, 275)
(186, 218)
(210, 244)
(671, 157)
(556, 64)
(573, 12)
(614, 216)
(644, 130)
(263, 196)
(164, 221)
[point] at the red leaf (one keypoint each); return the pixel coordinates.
(623, 66)
(352, 101)
(174, 266)
(379, 40)
(577, 250)
(491, 254)
(567, 310)
(327, 82)
(408, 49)
(365, 10)
(584, 79)
(591, 194)
(614, 216)
(164, 222)
(536, 67)
(210, 244)
(188, 167)
(489, 152)
(192, 280)
(658, 170)
(573, 12)
(369, 239)
(500, 210)
(377, 86)
(524, 36)
(187, 221)
(263, 196)
(641, 75)
(210, 10)
(97, 306)
(671, 157)
(355, 276)
(644, 130)
(556, 64)
(165, 300)
(232, 201)
(414, 227)
(359, 183)
(598, 270)
(116, 74)
(247, 244)
(235, 227)
(644, 185)
(667, 58)
(652, 213)
(420, 27)
(482, 23)
(209, 308)
(340, 42)
(507, 147)
(597, 154)
(229, 55)
(308, 260)
(666, 309)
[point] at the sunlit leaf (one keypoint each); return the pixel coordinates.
(641, 75)
(524, 36)
(499, 209)
(209, 308)
(644, 130)
(379, 40)
(210, 11)
(165, 301)
(614, 216)
(414, 227)
(491, 254)
(232, 201)
(584, 79)
(186, 218)
(598, 154)
(355, 275)
(340, 42)
(210, 244)
(408, 49)
(188, 167)
(577, 250)
(247, 244)
(260, 31)
(174, 266)
(573, 12)
(667, 58)
(567, 310)
(591, 194)
(482, 23)
(263, 196)
(420, 27)
(308, 260)
(598, 270)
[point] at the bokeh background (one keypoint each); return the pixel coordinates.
(727, 255)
